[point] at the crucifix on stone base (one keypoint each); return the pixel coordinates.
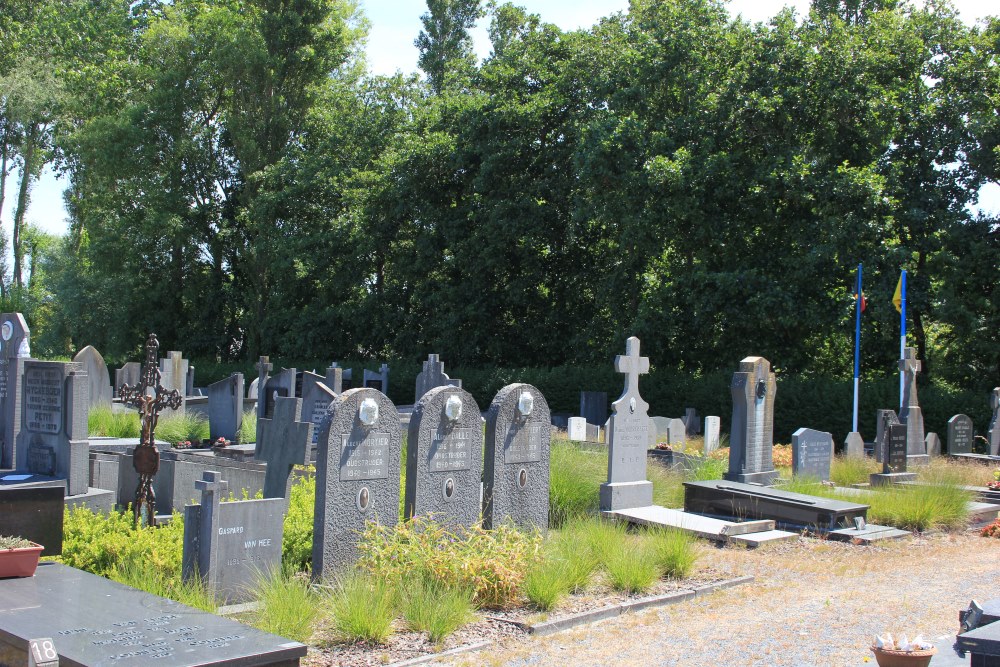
(145, 457)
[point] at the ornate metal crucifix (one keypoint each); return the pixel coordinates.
(150, 398)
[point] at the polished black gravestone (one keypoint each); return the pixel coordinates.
(34, 513)
(983, 644)
(93, 621)
(724, 498)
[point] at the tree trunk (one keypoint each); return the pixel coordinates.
(23, 199)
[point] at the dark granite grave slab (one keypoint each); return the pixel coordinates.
(724, 498)
(983, 644)
(93, 621)
(34, 513)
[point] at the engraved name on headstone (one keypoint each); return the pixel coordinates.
(960, 435)
(812, 453)
(895, 461)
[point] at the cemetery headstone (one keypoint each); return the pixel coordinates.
(229, 545)
(252, 389)
(264, 368)
(628, 436)
(13, 340)
(713, 425)
(34, 513)
(335, 379)
(677, 433)
(225, 408)
(895, 461)
(316, 398)
(751, 443)
(379, 380)
(658, 430)
(284, 443)
(577, 429)
(993, 434)
(960, 435)
(127, 374)
(53, 440)
(910, 414)
(431, 376)
(691, 421)
(854, 445)
(357, 475)
(933, 444)
(173, 377)
(594, 406)
(282, 384)
(93, 365)
(883, 419)
(189, 382)
(516, 461)
(444, 457)
(812, 453)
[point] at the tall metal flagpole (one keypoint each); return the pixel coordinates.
(902, 334)
(857, 349)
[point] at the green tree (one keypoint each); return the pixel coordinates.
(445, 45)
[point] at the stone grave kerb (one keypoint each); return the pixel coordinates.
(212, 488)
(284, 443)
(444, 457)
(14, 349)
(752, 431)
(628, 438)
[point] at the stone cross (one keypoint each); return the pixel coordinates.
(284, 443)
(150, 398)
(632, 365)
(910, 365)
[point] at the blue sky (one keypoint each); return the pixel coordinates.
(396, 23)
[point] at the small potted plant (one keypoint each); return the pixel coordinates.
(18, 557)
(902, 652)
(995, 484)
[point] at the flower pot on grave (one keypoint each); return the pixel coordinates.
(20, 562)
(892, 658)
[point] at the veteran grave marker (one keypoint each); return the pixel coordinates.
(751, 441)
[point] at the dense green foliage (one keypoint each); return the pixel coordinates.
(241, 185)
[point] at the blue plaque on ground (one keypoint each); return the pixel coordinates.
(93, 621)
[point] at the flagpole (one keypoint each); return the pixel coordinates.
(859, 297)
(902, 335)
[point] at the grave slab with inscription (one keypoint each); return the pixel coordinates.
(516, 462)
(231, 545)
(444, 457)
(127, 628)
(960, 435)
(628, 438)
(53, 440)
(883, 419)
(317, 393)
(812, 453)
(894, 460)
(14, 349)
(751, 445)
(357, 476)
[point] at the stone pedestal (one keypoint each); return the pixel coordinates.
(885, 478)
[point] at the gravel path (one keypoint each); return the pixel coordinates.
(826, 598)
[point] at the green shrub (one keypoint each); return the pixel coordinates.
(632, 567)
(176, 427)
(287, 606)
(848, 470)
(707, 469)
(145, 576)
(491, 563)
(435, 608)
(103, 421)
(546, 584)
(360, 607)
(248, 428)
(296, 545)
(675, 551)
(937, 505)
(575, 477)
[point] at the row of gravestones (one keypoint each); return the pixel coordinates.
(358, 478)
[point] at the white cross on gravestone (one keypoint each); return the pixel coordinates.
(283, 444)
(632, 364)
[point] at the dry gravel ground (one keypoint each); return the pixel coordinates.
(813, 603)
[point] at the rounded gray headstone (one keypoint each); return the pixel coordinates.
(444, 457)
(357, 477)
(97, 374)
(516, 476)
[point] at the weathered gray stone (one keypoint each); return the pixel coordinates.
(910, 413)
(594, 406)
(577, 429)
(933, 444)
(431, 376)
(812, 453)
(628, 437)
(444, 457)
(252, 390)
(174, 376)
(14, 337)
(225, 408)
(854, 445)
(231, 545)
(883, 419)
(713, 426)
(692, 421)
(53, 438)
(993, 434)
(357, 476)
(316, 398)
(93, 365)
(516, 474)
(379, 380)
(127, 374)
(751, 443)
(284, 443)
(282, 384)
(264, 368)
(960, 435)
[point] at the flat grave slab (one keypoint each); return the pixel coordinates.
(870, 533)
(755, 532)
(94, 621)
(978, 458)
(725, 498)
(983, 642)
